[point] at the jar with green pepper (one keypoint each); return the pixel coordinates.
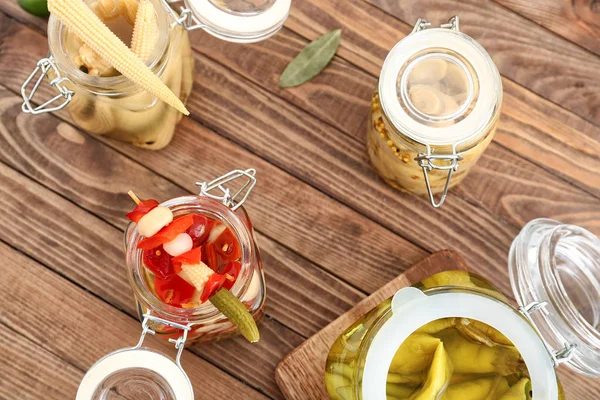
(454, 336)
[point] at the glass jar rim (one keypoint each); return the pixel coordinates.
(181, 205)
(538, 270)
(428, 305)
(114, 85)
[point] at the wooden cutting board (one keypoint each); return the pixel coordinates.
(300, 374)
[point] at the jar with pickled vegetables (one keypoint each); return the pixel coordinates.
(102, 101)
(195, 270)
(435, 110)
(455, 336)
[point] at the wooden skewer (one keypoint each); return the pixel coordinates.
(134, 197)
(229, 277)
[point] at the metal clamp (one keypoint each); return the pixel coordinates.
(423, 24)
(427, 162)
(225, 196)
(558, 356)
(185, 18)
(179, 342)
(44, 66)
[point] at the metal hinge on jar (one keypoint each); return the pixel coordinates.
(225, 196)
(558, 356)
(44, 66)
(423, 24)
(179, 342)
(185, 18)
(427, 162)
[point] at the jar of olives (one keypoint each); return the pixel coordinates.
(102, 101)
(435, 110)
(222, 232)
(455, 336)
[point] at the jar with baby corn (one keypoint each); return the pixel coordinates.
(454, 336)
(435, 110)
(101, 100)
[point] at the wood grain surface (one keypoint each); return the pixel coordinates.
(330, 231)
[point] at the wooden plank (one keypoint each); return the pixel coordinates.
(33, 372)
(300, 373)
(63, 318)
(337, 165)
(576, 20)
(524, 52)
(531, 126)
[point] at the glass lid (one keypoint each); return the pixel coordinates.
(139, 372)
(242, 21)
(439, 86)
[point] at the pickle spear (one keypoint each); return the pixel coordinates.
(237, 313)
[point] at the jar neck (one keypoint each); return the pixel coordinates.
(205, 312)
(559, 265)
(114, 85)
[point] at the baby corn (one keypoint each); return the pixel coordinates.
(82, 21)
(145, 31)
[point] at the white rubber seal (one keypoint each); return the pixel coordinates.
(125, 359)
(225, 23)
(412, 309)
(490, 86)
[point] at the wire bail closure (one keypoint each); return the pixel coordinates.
(179, 342)
(427, 160)
(44, 66)
(185, 18)
(558, 356)
(225, 196)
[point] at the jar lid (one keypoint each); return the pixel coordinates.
(412, 308)
(242, 21)
(439, 86)
(140, 370)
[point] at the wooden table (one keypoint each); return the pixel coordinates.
(330, 230)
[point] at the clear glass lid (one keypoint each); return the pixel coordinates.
(139, 372)
(241, 21)
(439, 86)
(555, 273)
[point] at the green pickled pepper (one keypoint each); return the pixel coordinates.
(520, 391)
(469, 357)
(438, 376)
(415, 354)
(478, 389)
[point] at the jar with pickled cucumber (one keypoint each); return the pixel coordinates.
(194, 267)
(455, 336)
(434, 112)
(101, 100)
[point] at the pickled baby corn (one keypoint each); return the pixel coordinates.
(145, 31)
(80, 19)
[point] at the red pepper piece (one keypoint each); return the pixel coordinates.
(200, 229)
(158, 261)
(222, 249)
(191, 257)
(143, 208)
(214, 283)
(173, 290)
(233, 270)
(168, 233)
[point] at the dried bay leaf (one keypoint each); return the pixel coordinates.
(311, 60)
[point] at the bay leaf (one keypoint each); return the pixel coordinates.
(311, 60)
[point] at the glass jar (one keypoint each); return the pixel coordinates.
(115, 107)
(435, 110)
(183, 326)
(555, 272)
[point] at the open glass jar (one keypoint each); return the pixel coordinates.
(110, 104)
(489, 348)
(178, 325)
(435, 110)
